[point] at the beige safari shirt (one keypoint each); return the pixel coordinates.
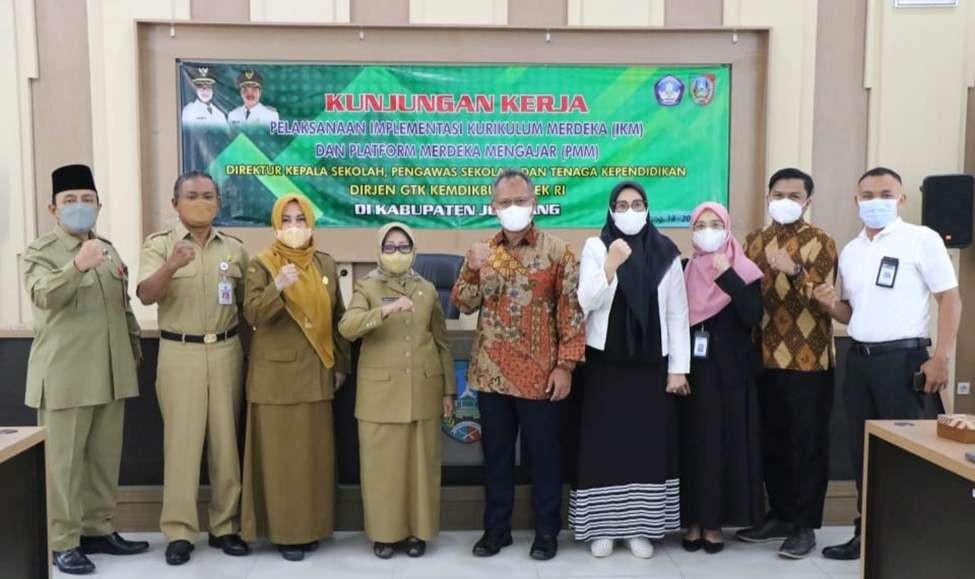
(86, 340)
(191, 304)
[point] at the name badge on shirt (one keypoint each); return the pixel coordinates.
(225, 292)
(702, 341)
(388, 300)
(887, 273)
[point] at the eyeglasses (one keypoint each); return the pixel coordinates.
(390, 248)
(623, 206)
(525, 202)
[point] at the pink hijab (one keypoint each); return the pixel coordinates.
(704, 297)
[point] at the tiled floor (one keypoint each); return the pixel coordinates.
(350, 555)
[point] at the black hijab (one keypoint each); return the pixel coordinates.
(652, 255)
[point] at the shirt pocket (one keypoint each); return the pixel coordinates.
(190, 270)
(234, 271)
(374, 375)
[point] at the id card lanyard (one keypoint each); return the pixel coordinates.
(701, 342)
(887, 272)
(225, 288)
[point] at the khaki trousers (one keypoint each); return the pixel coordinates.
(199, 390)
(84, 451)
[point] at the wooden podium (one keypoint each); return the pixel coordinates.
(919, 503)
(23, 503)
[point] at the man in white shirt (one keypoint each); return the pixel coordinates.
(252, 112)
(889, 272)
(203, 112)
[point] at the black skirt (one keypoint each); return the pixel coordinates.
(721, 456)
(627, 483)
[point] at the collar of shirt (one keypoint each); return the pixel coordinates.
(70, 242)
(790, 229)
(182, 232)
(889, 230)
(530, 238)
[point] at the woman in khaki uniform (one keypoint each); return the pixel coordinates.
(405, 384)
(297, 360)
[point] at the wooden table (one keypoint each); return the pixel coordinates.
(23, 504)
(919, 503)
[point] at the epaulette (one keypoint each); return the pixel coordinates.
(234, 237)
(43, 241)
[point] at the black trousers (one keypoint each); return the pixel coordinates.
(540, 422)
(795, 408)
(881, 387)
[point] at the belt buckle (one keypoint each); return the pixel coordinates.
(866, 350)
(209, 338)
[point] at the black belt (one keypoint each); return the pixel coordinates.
(874, 348)
(204, 339)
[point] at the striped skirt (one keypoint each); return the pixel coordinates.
(627, 483)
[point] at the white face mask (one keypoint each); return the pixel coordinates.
(630, 222)
(878, 213)
(710, 240)
(785, 211)
(515, 218)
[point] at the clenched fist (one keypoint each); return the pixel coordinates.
(826, 295)
(183, 253)
(721, 263)
(286, 277)
(92, 254)
(619, 251)
(779, 260)
(478, 255)
(403, 304)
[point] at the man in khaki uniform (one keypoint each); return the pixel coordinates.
(194, 273)
(82, 366)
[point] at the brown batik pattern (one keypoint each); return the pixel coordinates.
(796, 333)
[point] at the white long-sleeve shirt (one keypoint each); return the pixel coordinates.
(596, 298)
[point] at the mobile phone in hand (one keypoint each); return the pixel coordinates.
(919, 380)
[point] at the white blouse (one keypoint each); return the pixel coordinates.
(596, 299)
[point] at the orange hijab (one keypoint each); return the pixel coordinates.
(307, 300)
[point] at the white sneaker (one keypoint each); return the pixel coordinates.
(601, 547)
(641, 548)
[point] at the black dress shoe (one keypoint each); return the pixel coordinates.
(292, 552)
(799, 544)
(309, 547)
(771, 530)
(491, 543)
(544, 547)
(231, 545)
(690, 545)
(711, 548)
(112, 544)
(383, 550)
(415, 547)
(848, 551)
(178, 552)
(73, 562)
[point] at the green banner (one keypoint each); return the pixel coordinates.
(369, 144)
